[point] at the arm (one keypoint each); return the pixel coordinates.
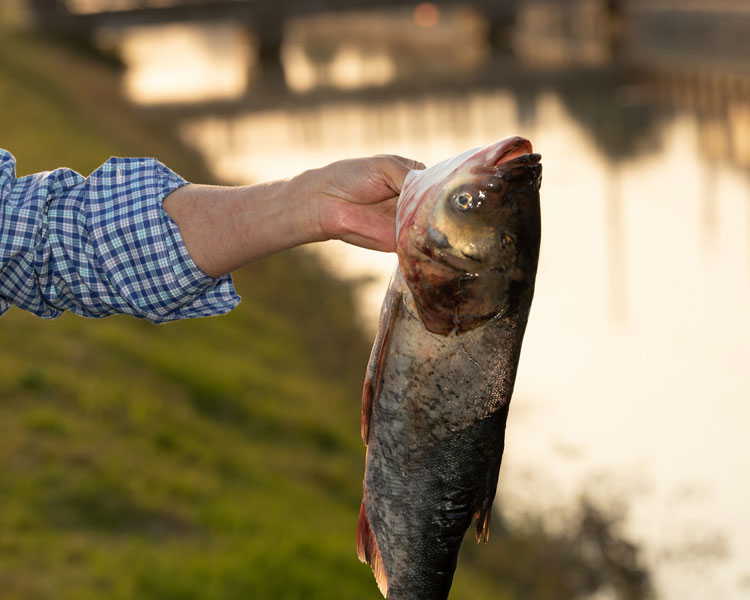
(352, 200)
(135, 238)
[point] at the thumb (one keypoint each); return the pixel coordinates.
(395, 168)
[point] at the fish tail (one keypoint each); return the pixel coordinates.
(367, 550)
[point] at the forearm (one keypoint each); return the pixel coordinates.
(353, 200)
(226, 227)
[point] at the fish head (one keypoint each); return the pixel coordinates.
(468, 232)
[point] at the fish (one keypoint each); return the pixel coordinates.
(443, 365)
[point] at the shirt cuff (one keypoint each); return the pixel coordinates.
(205, 296)
(156, 275)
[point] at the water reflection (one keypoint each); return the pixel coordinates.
(633, 377)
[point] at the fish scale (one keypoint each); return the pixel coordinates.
(443, 365)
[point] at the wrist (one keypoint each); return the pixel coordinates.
(311, 206)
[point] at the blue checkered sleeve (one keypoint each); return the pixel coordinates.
(100, 245)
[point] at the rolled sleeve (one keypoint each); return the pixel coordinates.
(100, 245)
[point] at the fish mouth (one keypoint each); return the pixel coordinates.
(528, 159)
(510, 162)
(519, 170)
(509, 149)
(503, 156)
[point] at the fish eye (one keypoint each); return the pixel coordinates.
(464, 201)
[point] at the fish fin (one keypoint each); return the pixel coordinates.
(367, 395)
(367, 550)
(484, 511)
(483, 524)
(373, 377)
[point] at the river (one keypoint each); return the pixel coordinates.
(633, 385)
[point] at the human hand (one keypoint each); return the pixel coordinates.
(354, 200)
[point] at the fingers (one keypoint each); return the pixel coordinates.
(408, 162)
(394, 168)
(369, 226)
(356, 198)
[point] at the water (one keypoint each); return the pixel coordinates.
(633, 384)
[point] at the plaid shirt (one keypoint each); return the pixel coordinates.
(100, 245)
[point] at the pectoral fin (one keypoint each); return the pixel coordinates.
(373, 378)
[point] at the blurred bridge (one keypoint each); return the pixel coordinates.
(264, 17)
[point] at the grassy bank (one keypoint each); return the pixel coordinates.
(212, 459)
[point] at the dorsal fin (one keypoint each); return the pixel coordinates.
(367, 550)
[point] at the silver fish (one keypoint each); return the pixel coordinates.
(443, 366)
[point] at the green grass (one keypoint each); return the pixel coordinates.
(203, 459)
(212, 459)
